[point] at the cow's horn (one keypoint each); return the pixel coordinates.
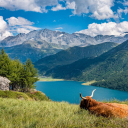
(92, 93)
(82, 97)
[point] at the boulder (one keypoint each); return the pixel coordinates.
(4, 83)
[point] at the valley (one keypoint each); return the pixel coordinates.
(76, 56)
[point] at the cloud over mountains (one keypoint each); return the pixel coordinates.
(110, 28)
(99, 10)
(15, 25)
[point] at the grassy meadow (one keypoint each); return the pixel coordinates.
(17, 113)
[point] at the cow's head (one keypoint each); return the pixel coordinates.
(86, 102)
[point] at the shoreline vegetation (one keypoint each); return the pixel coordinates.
(89, 82)
(49, 79)
(53, 79)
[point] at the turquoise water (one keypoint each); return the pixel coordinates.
(68, 91)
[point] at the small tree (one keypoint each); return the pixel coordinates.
(15, 74)
(4, 63)
(30, 75)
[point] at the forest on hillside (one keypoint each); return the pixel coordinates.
(22, 76)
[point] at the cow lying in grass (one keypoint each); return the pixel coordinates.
(103, 109)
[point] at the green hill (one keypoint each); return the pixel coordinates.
(110, 66)
(46, 114)
(33, 50)
(71, 55)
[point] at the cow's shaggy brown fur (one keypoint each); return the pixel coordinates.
(104, 109)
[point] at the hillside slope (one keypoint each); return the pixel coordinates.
(28, 96)
(110, 65)
(46, 114)
(33, 50)
(71, 55)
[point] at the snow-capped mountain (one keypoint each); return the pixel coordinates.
(60, 38)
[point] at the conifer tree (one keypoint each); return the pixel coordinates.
(30, 73)
(4, 63)
(22, 76)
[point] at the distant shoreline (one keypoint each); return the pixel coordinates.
(89, 83)
(49, 79)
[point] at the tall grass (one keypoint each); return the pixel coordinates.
(40, 114)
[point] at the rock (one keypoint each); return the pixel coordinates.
(4, 83)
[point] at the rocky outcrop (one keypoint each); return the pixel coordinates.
(4, 83)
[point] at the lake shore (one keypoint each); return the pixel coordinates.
(49, 79)
(89, 83)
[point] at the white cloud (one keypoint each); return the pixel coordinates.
(70, 5)
(44, 3)
(99, 9)
(59, 28)
(58, 7)
(120, 11)
(20, 25)
(5, 34)
(28, 5)
(3, 24)
(4, 29)
(22, 30)
(18, 21)
(110, 28)
(15, 25)
(125, 3)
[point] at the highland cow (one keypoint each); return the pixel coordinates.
(103, 109)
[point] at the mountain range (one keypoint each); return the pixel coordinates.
(41, 43)
(61, 38)
(71, 55)
(110, 69)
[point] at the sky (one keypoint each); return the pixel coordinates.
(91, 17)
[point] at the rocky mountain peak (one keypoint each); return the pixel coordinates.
(61, 38)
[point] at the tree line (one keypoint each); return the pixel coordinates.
(22, 76)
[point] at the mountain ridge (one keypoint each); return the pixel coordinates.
(110, 69)
(61, 38)
(71, 55)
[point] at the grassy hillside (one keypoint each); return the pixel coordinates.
(71, 55)
(39, 114)
(35, 95)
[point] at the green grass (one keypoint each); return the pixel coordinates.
(38, 96)
(16, 113)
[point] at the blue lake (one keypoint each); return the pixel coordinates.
(69, 91)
